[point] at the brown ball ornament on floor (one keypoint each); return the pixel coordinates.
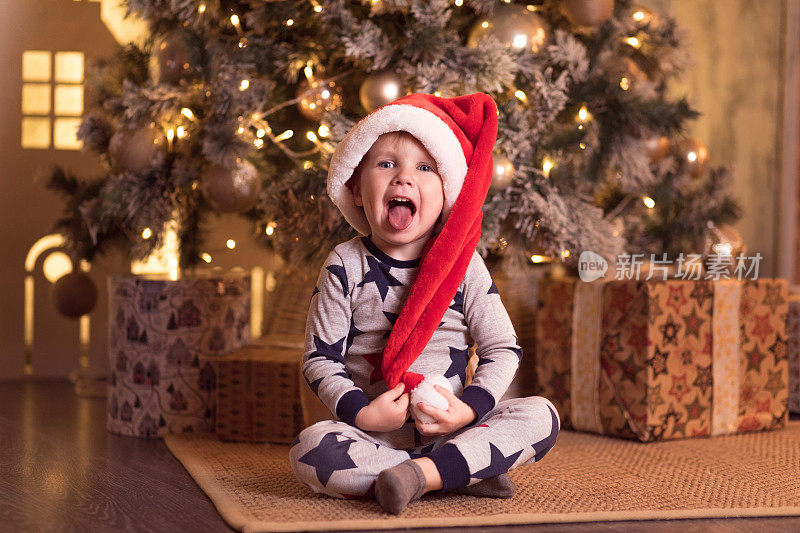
(74, 294)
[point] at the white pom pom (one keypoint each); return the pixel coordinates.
(427, 394)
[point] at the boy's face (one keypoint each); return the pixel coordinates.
(399, 166)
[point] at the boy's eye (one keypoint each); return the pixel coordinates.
(428, 167)
(385, 162)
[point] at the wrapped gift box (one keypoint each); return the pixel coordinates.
(161, 335)
(655, 360)
(793, 332)
(261, 396)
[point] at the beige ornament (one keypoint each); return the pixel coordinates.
(588, 12)
(380, 88)
(169, 59)
(502, 173)
(656, 148)
(135, 148)
(694, 155)
(724, 241)
(231, 190)
(514, 26)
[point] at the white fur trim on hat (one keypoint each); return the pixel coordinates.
(433, 132)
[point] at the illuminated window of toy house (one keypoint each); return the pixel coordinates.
(52, 99)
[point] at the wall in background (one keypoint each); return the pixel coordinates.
(740, 50)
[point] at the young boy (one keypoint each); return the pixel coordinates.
(405, 300)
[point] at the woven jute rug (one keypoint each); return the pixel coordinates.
(583, 478)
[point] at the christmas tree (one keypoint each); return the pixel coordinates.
(236, 106)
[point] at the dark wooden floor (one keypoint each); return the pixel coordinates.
(61, 471)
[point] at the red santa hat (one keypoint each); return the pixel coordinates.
(459, 133)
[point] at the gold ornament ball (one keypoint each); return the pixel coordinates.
(231, 190)
(134, 149)
(588, 12)
(723, 240)
(695, 157)
(656, 148)
(502, 173)
(380, 88)
(514, 26)
(169, 59)
(317, 96)
(74, 294)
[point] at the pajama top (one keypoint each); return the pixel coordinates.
(359, 294)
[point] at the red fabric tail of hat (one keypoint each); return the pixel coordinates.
(446, 258)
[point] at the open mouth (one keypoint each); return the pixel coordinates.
(401, 212)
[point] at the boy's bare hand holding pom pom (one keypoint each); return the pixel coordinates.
(457, 415)
(386, 412)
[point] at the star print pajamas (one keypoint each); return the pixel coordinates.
(358, 297)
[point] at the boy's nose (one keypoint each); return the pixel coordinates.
(404, 180)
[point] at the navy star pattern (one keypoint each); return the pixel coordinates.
(392, 318)
(458, 363)
(352, 334)
(380, 275)
(332, 352)
(314, 384)
(338, 271)
(493, 289)
(543, 446)
(498, 464)
(329, 456)
(316, 290)
(458, 302)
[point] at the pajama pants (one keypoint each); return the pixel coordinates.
(337, 459)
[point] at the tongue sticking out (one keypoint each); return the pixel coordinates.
(400, 217)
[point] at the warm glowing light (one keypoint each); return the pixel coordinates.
(56, 265)
(691, 156)
(170, 134)
(258, 143)
(485, 24)
(269, 230)
(539, 259)
(290, 22)
(323, 131)
(180, 132)
(583, 113)
(638, 15)
(459, 3)
(437, 93)
(235, 20)
(244, 85)
(201, 8)
(565, 253)
(521, 95)
(317, 8)
(146, 233)
(260, 132)
(230, 243)
(307, 164)
(308, 71)
(624, 83)
(206, 257)
(186, 112)
(311, 137)
(583, 146)
(240, 130)
(633, 41)
(285, 135)
(547, 166)
(649, 202)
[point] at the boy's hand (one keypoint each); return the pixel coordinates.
(387, 412)
(458, 415)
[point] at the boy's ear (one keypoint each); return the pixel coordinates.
(357, 194)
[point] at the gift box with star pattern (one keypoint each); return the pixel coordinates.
(664, 359)
(260, 397)
(793, 333)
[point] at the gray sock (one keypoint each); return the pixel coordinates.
(399, 485)
(494, 487)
